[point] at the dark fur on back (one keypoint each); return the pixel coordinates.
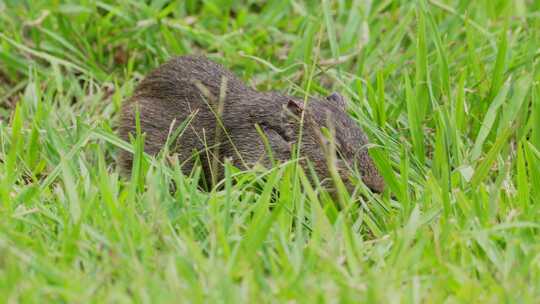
(225, 113)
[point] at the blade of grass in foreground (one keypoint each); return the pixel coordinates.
(500, 63)
(482, 170)
(489, 120)
(512, 108)
(415, 123)
(522, 178)
(533, 162)
(421, 96)
(262, 220)
(535, 116)
(10, 165)
(441, 56)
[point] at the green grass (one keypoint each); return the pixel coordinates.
(447, 91)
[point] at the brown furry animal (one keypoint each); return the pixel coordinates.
(196, 86)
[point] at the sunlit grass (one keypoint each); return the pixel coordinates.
(447, 91)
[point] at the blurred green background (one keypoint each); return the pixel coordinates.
(447, 91)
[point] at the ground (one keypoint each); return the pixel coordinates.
(446, 90)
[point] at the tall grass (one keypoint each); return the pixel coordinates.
(447, 91)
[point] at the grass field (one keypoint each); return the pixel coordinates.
(447, 91)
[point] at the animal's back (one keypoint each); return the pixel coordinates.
(183, 86)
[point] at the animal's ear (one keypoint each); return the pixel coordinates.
(296, 107)
(290, 119)
(337, 100)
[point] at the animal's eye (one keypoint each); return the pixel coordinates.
(279, 131)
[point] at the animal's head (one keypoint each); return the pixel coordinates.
(329, 130)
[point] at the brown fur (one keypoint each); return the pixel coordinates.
(190, 85)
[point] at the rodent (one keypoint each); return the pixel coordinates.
(193, 85)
